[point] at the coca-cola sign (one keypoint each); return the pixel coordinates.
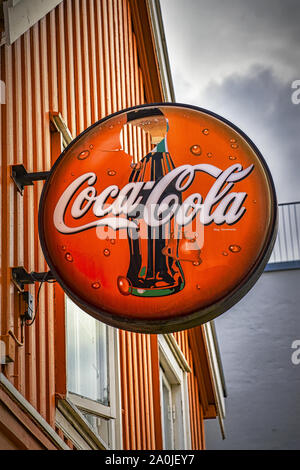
(158, 218)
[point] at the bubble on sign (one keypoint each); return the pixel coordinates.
(123, 285)
(197, 263)
(96, 285)
(235, 248)
(69, 257)
(83, 155)
(196, 150)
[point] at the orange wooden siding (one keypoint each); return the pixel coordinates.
(196, 400)
(140, 388)
(79, 60)
(84, 61)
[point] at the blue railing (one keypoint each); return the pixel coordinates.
(286, 252)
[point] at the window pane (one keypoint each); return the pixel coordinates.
(166, 405)
(101, 426)
(87, 358)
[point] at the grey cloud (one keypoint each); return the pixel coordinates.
(239, 58)
(216, 38)
(261, 106)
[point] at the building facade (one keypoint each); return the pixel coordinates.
(68, 381)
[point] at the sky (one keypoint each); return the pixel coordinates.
(239, 58)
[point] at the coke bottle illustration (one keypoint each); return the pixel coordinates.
(152, 271)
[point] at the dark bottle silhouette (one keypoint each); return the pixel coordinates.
(152, 271)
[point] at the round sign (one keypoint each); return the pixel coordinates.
(158, 218)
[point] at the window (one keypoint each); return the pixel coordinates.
(92, 373)
(174, 394)
(167, 411)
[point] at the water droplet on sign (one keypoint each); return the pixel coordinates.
(91, 146)
(234, 146)
(111, 172)
(69, 257)
(205, 131)
(231, 157)
(233, 140)
(209, 154)
(198, 286)
(96, 285)
(196, 150)
(235, 248)
(112, 241)
(196, 263)
(63, 248)
(106, 252)
(254, 201)
(83, 155)
(123, 285)
(225, 253)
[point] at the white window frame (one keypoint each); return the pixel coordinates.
(112, 412)
(171, 407)
(175, 369)
(214, 361)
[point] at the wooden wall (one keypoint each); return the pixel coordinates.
(84, 61)
(141, 391)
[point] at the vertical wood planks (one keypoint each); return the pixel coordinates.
(74, 61)
(81, 60)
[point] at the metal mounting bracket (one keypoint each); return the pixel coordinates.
(21, 178)
(28, 299)
(21, 277)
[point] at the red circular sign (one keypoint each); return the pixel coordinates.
(158, 218)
